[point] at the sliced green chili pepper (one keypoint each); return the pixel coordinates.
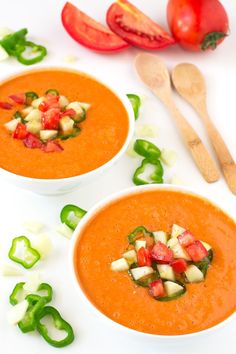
(173, 297)
(203, 265)
(29, 321)
(28, 257)
(17, 115)
(59, 324)
(156, 176)
(147, 149)
(73, 134)
(30, 96)
(12, 41)
(137, 233)
(71, 215)
(40, 51)
(19, 294)
(52, 92)
(136, 103)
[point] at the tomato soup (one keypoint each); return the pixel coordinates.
(104, 238)
(102, 134)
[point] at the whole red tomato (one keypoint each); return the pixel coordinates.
(197, 24)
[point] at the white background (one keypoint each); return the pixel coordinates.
(42, 18)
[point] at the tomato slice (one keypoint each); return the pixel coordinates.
(144, 258)
(32, 141)
(51, 118)
(88, 32)
(157, 288)
(186, 238)
(5, 105)
(161, 253)
(135, 27)
(197, 251)
(179, 265)
(52, 146)
(20, 131)
(18, 98)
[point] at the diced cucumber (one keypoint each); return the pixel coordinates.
(172, 288)
(146, 131)
(206, 245)
(77, 108)
(64, 230)
(9, 270)
(17, 312)
(168, 157)
(139, 244)
(43, 244)
(63, 101)
(120, 265)
(34, 114)
(3, 54)
(130, 149)
(85, 105)
(166, 271)
(33, 226)
(160, 236)
(193, 274)
(48, 134)
(11, 125)
(25, 111)
(66, 124)
(140, 272)
(33, 282)
(34, 126)
(179, 252)
(172, 242)
(176, 230)
(35, 103)
(130, 256)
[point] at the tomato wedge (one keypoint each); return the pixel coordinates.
(136, 28)
(32, 141)
(161, 253)
(144, 257)
(88, 32)
(157, 288)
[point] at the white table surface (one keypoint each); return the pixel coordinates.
(42, 18)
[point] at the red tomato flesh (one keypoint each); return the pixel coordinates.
(43, 106)
(161, 253)
(144, 257)
(18, 98)
(51, 118)
(186, 238)
(32, 141)
(157, 288)
(197, 251)
(20, 131)
(179, 265)
(88, 32)
(52, 100)
(52, 146)
(6, 105)
(135, 27)
(69, 112)
(197, 24)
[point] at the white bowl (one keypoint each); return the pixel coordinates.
(63, 185)
(86, 219)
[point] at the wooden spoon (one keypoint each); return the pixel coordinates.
(190, 84)
(154, 74)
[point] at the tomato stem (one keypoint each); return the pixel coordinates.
(212, 39)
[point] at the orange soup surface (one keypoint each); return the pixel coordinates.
(104, 239)
(102, 135)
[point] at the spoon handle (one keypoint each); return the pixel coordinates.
(224, 156)
(201, 156)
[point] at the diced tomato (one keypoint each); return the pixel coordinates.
(69, 112)
(157, 288)
(43, 106)
(6, 105)
(197, 251)
(20, 131)
(32, 141)
(19, 98)
(161, 253)
(144, 257)
(186, 238)
(51, 118)
(179, 265)
(52, 146)
(52, 100)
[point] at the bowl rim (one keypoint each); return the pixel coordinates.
(92, 212)
(122, 97)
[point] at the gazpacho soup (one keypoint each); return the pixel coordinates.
(58, 123)
(160, 262)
